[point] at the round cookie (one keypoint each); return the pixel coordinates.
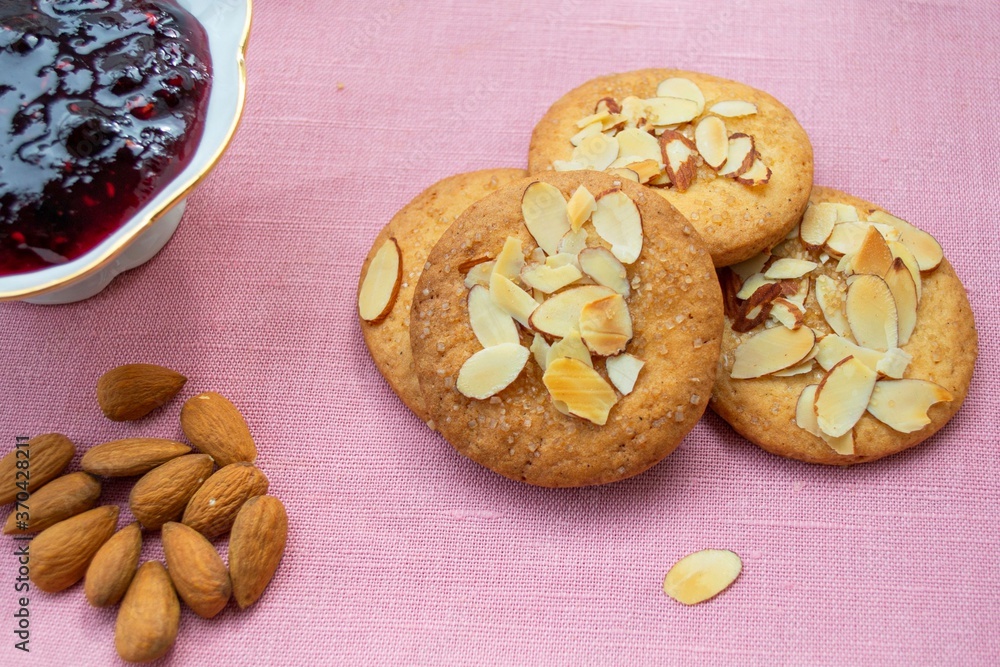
(942, 345)
(416, 228)
(737, 221)
(676, 311)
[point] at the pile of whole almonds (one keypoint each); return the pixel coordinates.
(179, 493)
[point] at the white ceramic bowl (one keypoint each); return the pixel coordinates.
(227, 23)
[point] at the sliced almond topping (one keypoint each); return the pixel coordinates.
(547, 279)
(923, 246)
(512, 299)
(568, 165)
(734, 108)
(679, 157)
(510, 261)
(570, 347)
(842, 396)
(748, 267)
(831, 303)
(846, 213)
(801, 294)
(817, 224)
(740, 156)
(661, 180)
(843, 445)
(587, 131)
(545, 215)
(758, 173)
(491, 370)
(832, 349)
(772, 350)
(491, 324)
(904, 293)
(638, 144)
(633, 110)
(467, 265)
(579, 208)
(903, 404)
(571, 244)
(381, 283)
(670, 110)
(607, 104)
(756, 309)
(625, 173)
(566, 255)
(893, 363)
(480, 274)
(618, 222)
(902, 252)
(623, 371)
(788, 267)
(871, 312)
(846, 238)
(595, 117)
(540, 351)
(712, 141)
(702, 575)
(787, 313)
(873, 255)
(805, 411)
(752, 284)
(646, 169)
(583, 391)
(560, 314)
(798, 369)
(606, 325)
(596, 152)
(605, 269)
(686, 89)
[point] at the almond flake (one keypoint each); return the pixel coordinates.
(568, 165)
(871, 312)
(679, 157)
(904, 293)
(567, 253)
(596, 152)
(606, 325)
(893, 363)
(923, 246)
(480, 274)
(685, 89)
(846, 213)
(846, 238)
(510, 261)
(547, 279)
(583, 391)
(801, 294)
(570, 347)
(579, 207)
(798, 369)
(712, 141)
(588, 131)
(560, 314)
(607, 104)
(624, 173)
(491, 325)
(571, 244)
(491, 370)
(842, 396)
(670, 110)
(831, 303)
(740, 156)
(544, 209)
(617, 221)
(702, 575)
(646, 169)
(772, 350)
(540, 351)
(512, 299)
(900, 251)
(623, 371)
(758, 173)
(873, 255)
(817, 224)
(748, 267)
(805, 411)
(833, 349)
(638, 145)
(843, 445)
(734, 108)
(380, 286)
(787, 313)
(787, 268)
(752, 284)
(595, 117)
(903, 404)
(605, 269)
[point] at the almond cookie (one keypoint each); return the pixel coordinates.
(404, 244)
(731, 158)
(566, 330)
(852, 341)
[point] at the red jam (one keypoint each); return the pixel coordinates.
(101, 104)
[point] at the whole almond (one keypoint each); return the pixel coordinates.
(196, 569)
(44, 459)
(162, 493)
(149, 617)
(256, 546)
(133, 391)
(113, 566)
(61, 553)
(215, 426)
(60, 499)
(131, 456)
(213, 508)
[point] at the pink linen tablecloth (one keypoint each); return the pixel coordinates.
(402, 552)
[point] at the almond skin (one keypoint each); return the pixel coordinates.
(215, 426)
(196, 569)
(61, 553)
(131, 456)
(46, 456)
(213, 508)
(133, 391)
(162, 493)
(256, 546)
(113, 566)
(149, 617)
(58, 500)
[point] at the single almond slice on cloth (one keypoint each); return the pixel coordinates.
(702, 575)
(900, 251)
(380, 287)
(923, 246)
(893, 363)
(605, 269)
(873, 255)
(831, 304)
(510, 261)
(540, 351)
(772, 350)
(512, 299)
(617, 221)
(606, 325)
(623, 371)
(787, 313)
(560, 314)
(570, 347)
(758, 173)
(833, 349)
(580, 207)
(596, 152)
(842, 396)
(748, 267)
(871, 312)
(903, 404)
(670, 110)
(544, 209)
(904, 292)
(491, 324)
(740, 156)
(549, 279)
(590, 130)
(491, 370)
(679, 158)
(685, 89)
(712, 141)
(638, 144)
(582, 389)
(788, 267)
(817, 224)
(733, 108)
(752, 284)
(628, 174)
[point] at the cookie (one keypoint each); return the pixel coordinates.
(740, 166)
(853, 341)
(415, 229)
(580, 352)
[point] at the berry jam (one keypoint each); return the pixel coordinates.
(101, 104)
